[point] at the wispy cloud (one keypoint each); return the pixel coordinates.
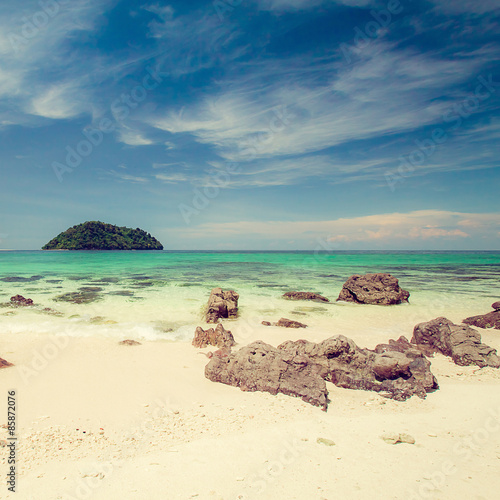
(354, 103)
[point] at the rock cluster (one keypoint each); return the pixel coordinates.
(20, 301)
(397, 370)
(221, 305)
(305, 296)
(378, 288)
(461, 342)
(218, 337)
(489, 320)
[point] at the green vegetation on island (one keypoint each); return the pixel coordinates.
(100, 236)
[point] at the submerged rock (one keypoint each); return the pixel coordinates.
(222, 305)
(218, 337)
(82, 297)
(378, 288)
(261, 367)
(489, 320)
(285, 323)
(305, 296)
(20, 279)
(461, 342)
(20, 301)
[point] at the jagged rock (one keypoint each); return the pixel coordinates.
(129, 342)
(261, 367)
(378, 288)
(489, 320)
(218, 337)
(222, 305)
(20, 301)
(397, 370)
(461, 342)
(285, 323)
(4, 364)
(305, 296)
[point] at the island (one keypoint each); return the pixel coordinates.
(96, 235)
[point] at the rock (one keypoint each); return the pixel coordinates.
(222, 305)
(261, 367)
(305, 296)
(392, 438)
(129, 342)
(326, 442)
(379, 288)
(489, 320)
(285, 323)
(218, 337)
(20, 301)
(398, 371)
(288, 323)
(461, 342)
(496, 306)
(5, 364)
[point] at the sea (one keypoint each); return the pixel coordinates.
(161, 295)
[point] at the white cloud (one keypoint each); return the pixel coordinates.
(59, 101)
(133, 138)
(428, 225)
(123, 177)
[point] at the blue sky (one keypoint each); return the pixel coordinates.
(253, 124)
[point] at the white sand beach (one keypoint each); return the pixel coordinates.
(103, 421)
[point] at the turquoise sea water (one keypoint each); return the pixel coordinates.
(162, 294)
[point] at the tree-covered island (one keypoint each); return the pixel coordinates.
(97, 235)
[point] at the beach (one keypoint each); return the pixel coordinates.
(100, 420)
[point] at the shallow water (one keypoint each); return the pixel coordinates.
(161, 295)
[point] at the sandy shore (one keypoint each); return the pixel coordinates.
(103, 421)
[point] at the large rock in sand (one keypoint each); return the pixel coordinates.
(378, 288)
(461, 342)
(218, 337)
(398, 369)
(489, 320)
(222, 305)
(261, 367)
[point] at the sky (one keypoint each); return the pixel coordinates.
(253, 124)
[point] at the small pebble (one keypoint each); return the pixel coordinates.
(326, 442)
